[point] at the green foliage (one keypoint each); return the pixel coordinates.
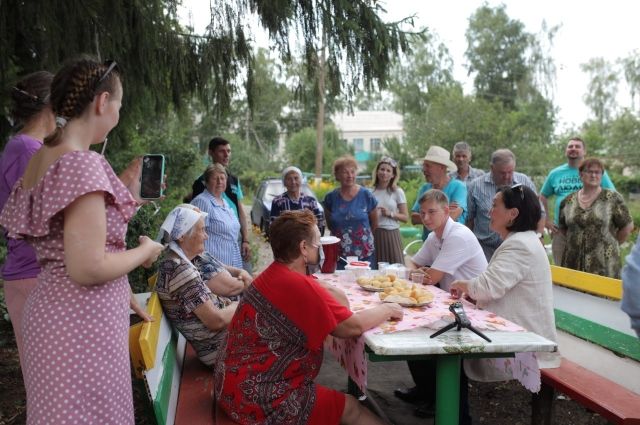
(602, 90)
(496, 54)
(393, 149)
(426, 71)
(411, 187)
(301, 149)
(622, 137)
(509, 63)
(452, 117)
(625, 184)
(162, 64)
(322, 190)
(507, 110)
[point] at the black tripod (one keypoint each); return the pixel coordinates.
(462, 321)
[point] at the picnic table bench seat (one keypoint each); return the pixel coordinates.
(593, 390)
(180, 387)
(597, 393)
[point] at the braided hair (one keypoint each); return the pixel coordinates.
(30, 96)
(74, 88)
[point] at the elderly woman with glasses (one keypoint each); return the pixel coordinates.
(392, 207)
(351, 213)
(293, 199)
(274, 347)
(186, 295)
(595, 222)
(517, 282)
(222, 224)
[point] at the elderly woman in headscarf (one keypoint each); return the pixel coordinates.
(293, 199)
(186, 296)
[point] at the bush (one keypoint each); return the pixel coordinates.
(411, 187)
(626, 184)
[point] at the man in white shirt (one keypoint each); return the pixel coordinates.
(450, 251)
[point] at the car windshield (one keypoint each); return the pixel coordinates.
(275, 188)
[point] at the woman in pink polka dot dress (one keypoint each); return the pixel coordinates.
(74, 210)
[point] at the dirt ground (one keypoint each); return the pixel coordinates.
(492, 404)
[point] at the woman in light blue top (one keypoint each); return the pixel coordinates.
(222, 224)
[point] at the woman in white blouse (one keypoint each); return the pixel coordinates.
(392, 207)
(517, 283)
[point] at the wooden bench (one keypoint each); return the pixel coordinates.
(608, 338)
(179, 386)
(612, 401)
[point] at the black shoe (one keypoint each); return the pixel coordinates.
(425, 410)
(410, 395)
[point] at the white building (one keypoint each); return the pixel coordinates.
(367, 130)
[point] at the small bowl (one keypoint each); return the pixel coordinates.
(358, 270)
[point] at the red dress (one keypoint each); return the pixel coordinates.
(273, 352)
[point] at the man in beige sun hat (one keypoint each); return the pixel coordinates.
(435, 167)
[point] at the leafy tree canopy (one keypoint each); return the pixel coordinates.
(301, 149)
(165, 65)
(508, 62)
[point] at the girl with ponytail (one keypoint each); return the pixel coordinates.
(73, 209)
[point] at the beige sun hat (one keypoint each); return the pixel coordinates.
(440, 156)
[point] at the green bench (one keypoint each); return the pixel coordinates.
(591, 330)
(179, 386)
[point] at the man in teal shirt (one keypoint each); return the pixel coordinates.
(434, 167)
(560, 182)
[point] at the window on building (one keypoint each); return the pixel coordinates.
(358, 145)
(376, 144)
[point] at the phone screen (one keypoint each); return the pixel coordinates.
(152, 175)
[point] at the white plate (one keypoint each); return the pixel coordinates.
(428, 303)
(371, 288)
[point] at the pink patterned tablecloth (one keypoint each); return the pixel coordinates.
(350, 352)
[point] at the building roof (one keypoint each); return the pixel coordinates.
(369, 121)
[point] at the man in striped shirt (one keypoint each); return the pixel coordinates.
(462, 158)
(480, 193)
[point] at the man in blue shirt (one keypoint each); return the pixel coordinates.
(560, 182)
(481, 192)
(434, 167)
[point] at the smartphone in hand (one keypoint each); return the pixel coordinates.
(152, 176)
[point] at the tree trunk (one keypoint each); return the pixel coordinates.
(320, 116)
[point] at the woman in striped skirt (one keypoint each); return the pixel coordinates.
(392, 205)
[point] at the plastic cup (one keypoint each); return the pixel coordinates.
(417, 277)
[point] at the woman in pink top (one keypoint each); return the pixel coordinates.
(73, 209)
(32, 114)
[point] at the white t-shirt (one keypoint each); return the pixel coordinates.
(390, 201)
(458, 254)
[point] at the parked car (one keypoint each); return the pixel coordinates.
(269, 189)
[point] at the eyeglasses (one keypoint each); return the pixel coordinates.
(388, 160)
(111, 66)
(520, 188)
(593, 172)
